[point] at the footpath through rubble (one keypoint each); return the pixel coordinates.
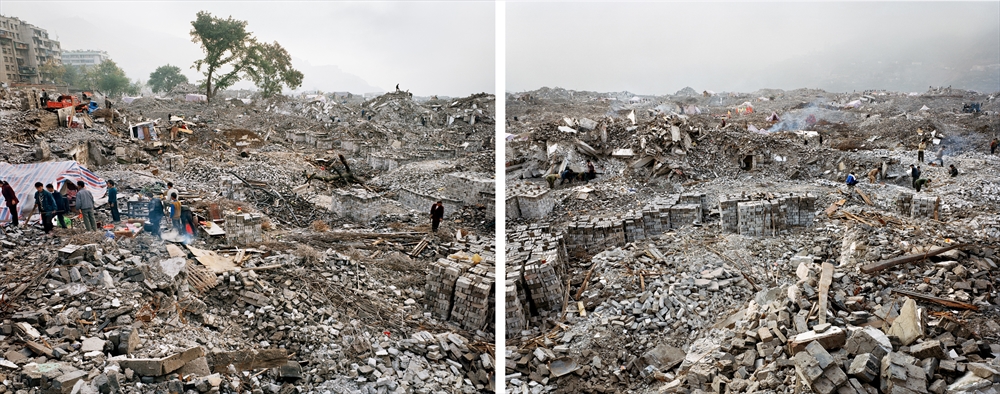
(718, 249)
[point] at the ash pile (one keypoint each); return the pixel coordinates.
(279, 286)
(715, 247)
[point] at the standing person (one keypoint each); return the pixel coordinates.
(591, 171)
(914, 175)
(437, 213)
(170, 190)
(953, 171)
(993, 145)
(46, 206)
(175, 212)
(155, 213)
(113, 202)
(10, 199)
(873, 175)
(45, 98)
(85, 205)
(920, 183)
(920, 150)
(70, 195)
(61, 206)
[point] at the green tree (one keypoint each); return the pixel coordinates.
(225, 43)
(52, 72)
(269, 67)
(165, 78)
(108, 78)
(134, 88)
(73, 76)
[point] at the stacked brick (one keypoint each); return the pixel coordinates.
(514, 314)
(534, 240)
(529, 201)
(695, 198)
(904, 203)
(472, 307)
(685, 214)
(440, 289)
(231, 187)
(656, 214)
(591, 235)
(244, 228)
(918, 205)
(729, 216)
(543, 286)
(461, 292)
(766, 217)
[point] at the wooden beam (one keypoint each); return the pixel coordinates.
(825, 279)
(937, 300)
(881, 265)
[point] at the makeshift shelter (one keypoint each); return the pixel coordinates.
(145, 131)
(191, 97)
(22, 178)
(774, 117)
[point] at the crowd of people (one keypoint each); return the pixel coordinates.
(59, 207)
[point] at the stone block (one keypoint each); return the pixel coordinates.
(865, 367)
(909, 325)
(927, 349)
(832, 338)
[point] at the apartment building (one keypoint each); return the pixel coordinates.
(24, 48)
(84, 57)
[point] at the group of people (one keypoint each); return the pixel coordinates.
(53, 204)
(181, 217)
(568, 175)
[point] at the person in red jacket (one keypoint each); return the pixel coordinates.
(10, 199)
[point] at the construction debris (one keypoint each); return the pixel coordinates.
(266, 286)
(706, 253)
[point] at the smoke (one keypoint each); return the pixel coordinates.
(806, 118)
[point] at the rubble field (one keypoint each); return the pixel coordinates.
(312, 268)
(718, 249)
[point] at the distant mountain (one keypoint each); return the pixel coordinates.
(329, 78)
(972, 64)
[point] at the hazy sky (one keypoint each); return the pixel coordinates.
(655, 48)
(444, 48)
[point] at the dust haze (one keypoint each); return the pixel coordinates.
(427, 48)
(659, 48)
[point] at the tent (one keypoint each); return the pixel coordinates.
(22, 178)
(191, 97)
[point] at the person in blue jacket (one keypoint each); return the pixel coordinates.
(46, 206)
(113, 202)
(62, 206)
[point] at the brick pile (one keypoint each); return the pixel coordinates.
(769, 216)
(529, 201)
(244, 228)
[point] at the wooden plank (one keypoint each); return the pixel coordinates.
(863, 196)
(175, 251)
(835, 206)
(881, 265)
(937, 300)
(825, 279)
